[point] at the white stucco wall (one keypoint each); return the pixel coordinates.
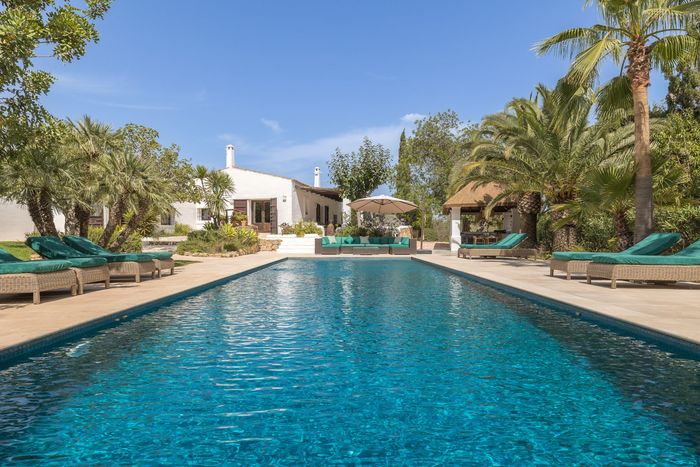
(15, 221)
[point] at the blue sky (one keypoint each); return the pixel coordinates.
(288, 82)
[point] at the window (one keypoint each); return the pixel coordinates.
(203, 214)
(318, 213)
(326, 215)
(167, 218)
(335, 219)
(261, 212)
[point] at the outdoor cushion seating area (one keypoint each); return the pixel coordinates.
(72, 268)
(576, 262)
(507, 247)
(335, 245)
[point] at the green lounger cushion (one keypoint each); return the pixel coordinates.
(687, 256)
(654, 244)
(506, 243)
(84, 245)
(53, 248)
(11, 265)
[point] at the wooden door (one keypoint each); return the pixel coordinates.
(261, 211)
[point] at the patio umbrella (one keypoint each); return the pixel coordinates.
(383, 205)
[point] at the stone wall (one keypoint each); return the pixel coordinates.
(269, 245)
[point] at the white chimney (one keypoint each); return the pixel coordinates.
(230, 156)
(317, 177)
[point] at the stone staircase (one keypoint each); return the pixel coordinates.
(294, 245)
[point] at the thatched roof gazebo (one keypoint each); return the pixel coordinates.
(473, 199)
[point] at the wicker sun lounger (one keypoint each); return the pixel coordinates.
(17, 276)
(576, 262)
(684, 266)
(506, 248)
(162, 259)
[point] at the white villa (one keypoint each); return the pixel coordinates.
(267, 200)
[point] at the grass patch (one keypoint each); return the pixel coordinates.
(184, 262)
(17, 249)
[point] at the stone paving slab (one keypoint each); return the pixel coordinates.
(672, 310)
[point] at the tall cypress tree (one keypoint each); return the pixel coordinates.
(403, 169)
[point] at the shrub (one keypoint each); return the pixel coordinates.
(682, 219)
(226, 238)
(286, 229)
(302, 228)
(182, 229)
(239, 219)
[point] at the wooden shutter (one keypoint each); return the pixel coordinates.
(273, 216)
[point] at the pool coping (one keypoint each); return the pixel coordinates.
(11, 354)
(658, 337)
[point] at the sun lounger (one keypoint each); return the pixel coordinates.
(506, 248)
(576, 262)
(17, 276)
(162, 259)
(683, 266)
(117, 265)
(502, 242)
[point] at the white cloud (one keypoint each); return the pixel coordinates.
(297, 159)
(412, 117)
(97, 85)
(273, 125)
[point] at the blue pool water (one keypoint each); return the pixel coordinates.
(352, 362)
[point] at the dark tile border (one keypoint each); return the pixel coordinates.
(665, 341)
(11, 355)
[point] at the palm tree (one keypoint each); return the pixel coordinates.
(87, 141)
(542, 148)
(219, 187)
(609, 189)
(638, 36)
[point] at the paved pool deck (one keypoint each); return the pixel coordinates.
(24, 328)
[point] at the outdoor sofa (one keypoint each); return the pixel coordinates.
(508, 247)
(161, 259)
(116, 265)
(17, 276)
(683, 266)
(576, 262)
(335, 245)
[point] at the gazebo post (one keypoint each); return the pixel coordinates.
(455, 227)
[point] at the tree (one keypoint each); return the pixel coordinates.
(402, 177)
(31, 29)
(638, 36)
(543, 146)
(437, 143)
(358, 174)
(683, 89)
(219, 187)
(87, 142)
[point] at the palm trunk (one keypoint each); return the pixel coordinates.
(46, 212)
(82, 215)
(638, 73)
(130, 227)
(35, 213)
(564, 238)
(116, 213)
(623, 234)
(529, 205)
(70, 226)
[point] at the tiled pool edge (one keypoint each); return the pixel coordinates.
(25, 349)
(654, 336)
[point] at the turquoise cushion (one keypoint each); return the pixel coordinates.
(159, 254)
(84, 245)
(53, 248)
(86, 262)
(512, 241)
(35, 267)
(672, 260)
(654, 244)
(688, 256)
(127, 257)
(325, 241)
(5, 257)
(406, 241)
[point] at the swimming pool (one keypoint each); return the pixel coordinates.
(352, 361)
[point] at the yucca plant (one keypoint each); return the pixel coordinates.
(638, 36)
